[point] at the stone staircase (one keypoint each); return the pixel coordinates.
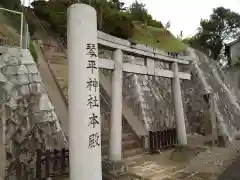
(59, 68)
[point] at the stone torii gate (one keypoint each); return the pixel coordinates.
(84, 99)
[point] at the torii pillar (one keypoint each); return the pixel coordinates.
(178, 106)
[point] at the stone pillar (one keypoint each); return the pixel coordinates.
(115, 136)
(213, 118)
(3, 142)
(84, 101)
(178, 107)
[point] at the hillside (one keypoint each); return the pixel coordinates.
(133, 24)
(157, 38)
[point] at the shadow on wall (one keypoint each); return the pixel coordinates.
(208, 77)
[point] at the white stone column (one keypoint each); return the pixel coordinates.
(84, 101)
(115, 136)
(178, 107)
(213, 118)
(3, 141)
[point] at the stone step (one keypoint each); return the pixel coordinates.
(60, 54)
(106, 130)
(104, 156)
(60, 75)
(128, 153)
(58, 61)
(59, 70)
(59, 67)
(63, 80)
(54, 61)
(152, 171)
(126, 145)
(125, 137)
(132, 152)
(164, 172)
(131, 161)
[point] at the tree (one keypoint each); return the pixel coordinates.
(222, 25)
(112, 17)
(139, 12)
(12, 4)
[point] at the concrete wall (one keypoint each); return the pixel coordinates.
(30, 121)
(235, 52)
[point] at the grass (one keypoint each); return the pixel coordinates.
(157, 38)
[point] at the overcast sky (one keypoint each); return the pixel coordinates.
(184, 15)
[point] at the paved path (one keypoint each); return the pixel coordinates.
(232, 172)
(209, 163)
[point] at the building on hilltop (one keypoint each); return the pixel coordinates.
(232, 50)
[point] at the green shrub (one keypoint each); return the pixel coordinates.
(11, 4)
(33, 51)
(111, 19)
(118, 24)
(154, 23)
(41, 9)
(32, 28)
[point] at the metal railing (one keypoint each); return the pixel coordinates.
(21, 23)
(24, 28)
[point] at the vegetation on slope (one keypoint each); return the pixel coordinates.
(33, 51)
(157, 38)
(114, 19)
(11, 4)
